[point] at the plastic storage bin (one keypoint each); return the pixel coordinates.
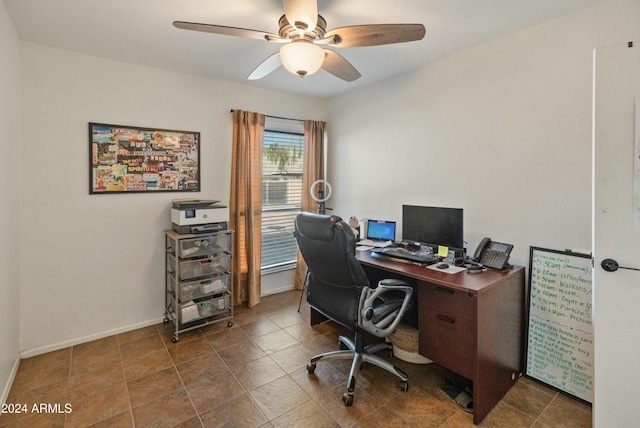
(194, 268)
(197, 289)
(201, 246)
(215, 306)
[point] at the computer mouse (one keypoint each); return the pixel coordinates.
(442, 265)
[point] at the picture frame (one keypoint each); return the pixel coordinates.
(134, 159)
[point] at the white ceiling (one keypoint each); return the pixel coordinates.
(141, 32)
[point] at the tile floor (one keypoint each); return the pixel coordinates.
(250, 375)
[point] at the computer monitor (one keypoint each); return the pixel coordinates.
(433, 226)
(381, 230)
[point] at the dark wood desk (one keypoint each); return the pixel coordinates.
(471, 324)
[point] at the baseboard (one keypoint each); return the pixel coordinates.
(72, 342)
(77, 341)
(12, 376)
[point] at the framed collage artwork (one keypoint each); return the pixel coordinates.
(129, 159)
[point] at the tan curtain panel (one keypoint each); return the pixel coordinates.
(313, 170)
(245, 205)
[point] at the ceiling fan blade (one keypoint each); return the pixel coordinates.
(335, 64)
(227, 31)
(266, 67)
(304, 11)
(375, 34)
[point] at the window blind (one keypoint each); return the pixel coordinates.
(283, 150)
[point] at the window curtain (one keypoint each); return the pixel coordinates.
(245, 207)
(313, 170)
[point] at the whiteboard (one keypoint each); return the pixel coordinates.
(559, 322)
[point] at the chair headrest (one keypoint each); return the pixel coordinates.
(317, 227)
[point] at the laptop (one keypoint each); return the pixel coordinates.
(380, 233)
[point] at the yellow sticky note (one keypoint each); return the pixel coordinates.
(443, 251)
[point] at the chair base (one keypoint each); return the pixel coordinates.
(360, 354)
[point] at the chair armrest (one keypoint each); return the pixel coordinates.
(390, 281)
(382, 319)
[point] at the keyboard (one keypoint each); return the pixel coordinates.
(372, 243)
(400, 254)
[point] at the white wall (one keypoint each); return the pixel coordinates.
(9, 201)
(502, 130)
(277, 282)
(93, 265)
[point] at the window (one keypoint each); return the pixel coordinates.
(283, 149)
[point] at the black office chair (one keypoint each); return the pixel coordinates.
(339, 289)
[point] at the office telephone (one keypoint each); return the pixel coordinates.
(493, 254)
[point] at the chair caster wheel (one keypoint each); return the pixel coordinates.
(348, 399)
(165, 320)
(342, 346)
(390, 353)
(311, 368)
(403, 385)
(175, 339)
(230, 324)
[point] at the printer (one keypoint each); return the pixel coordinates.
(198, 216)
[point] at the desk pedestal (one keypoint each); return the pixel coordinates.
(478, 335)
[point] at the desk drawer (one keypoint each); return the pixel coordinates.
(448, 299)
(448, 339)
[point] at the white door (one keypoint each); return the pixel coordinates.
(616, 295)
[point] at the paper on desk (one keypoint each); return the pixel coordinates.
(363, 248)
(450, 269)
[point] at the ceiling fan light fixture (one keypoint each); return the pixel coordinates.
(302, 57)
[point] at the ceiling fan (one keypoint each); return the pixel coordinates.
(302, 32)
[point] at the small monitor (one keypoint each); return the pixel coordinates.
(433, 226)
(381, 230)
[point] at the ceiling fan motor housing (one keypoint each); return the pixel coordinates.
(288, 31)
